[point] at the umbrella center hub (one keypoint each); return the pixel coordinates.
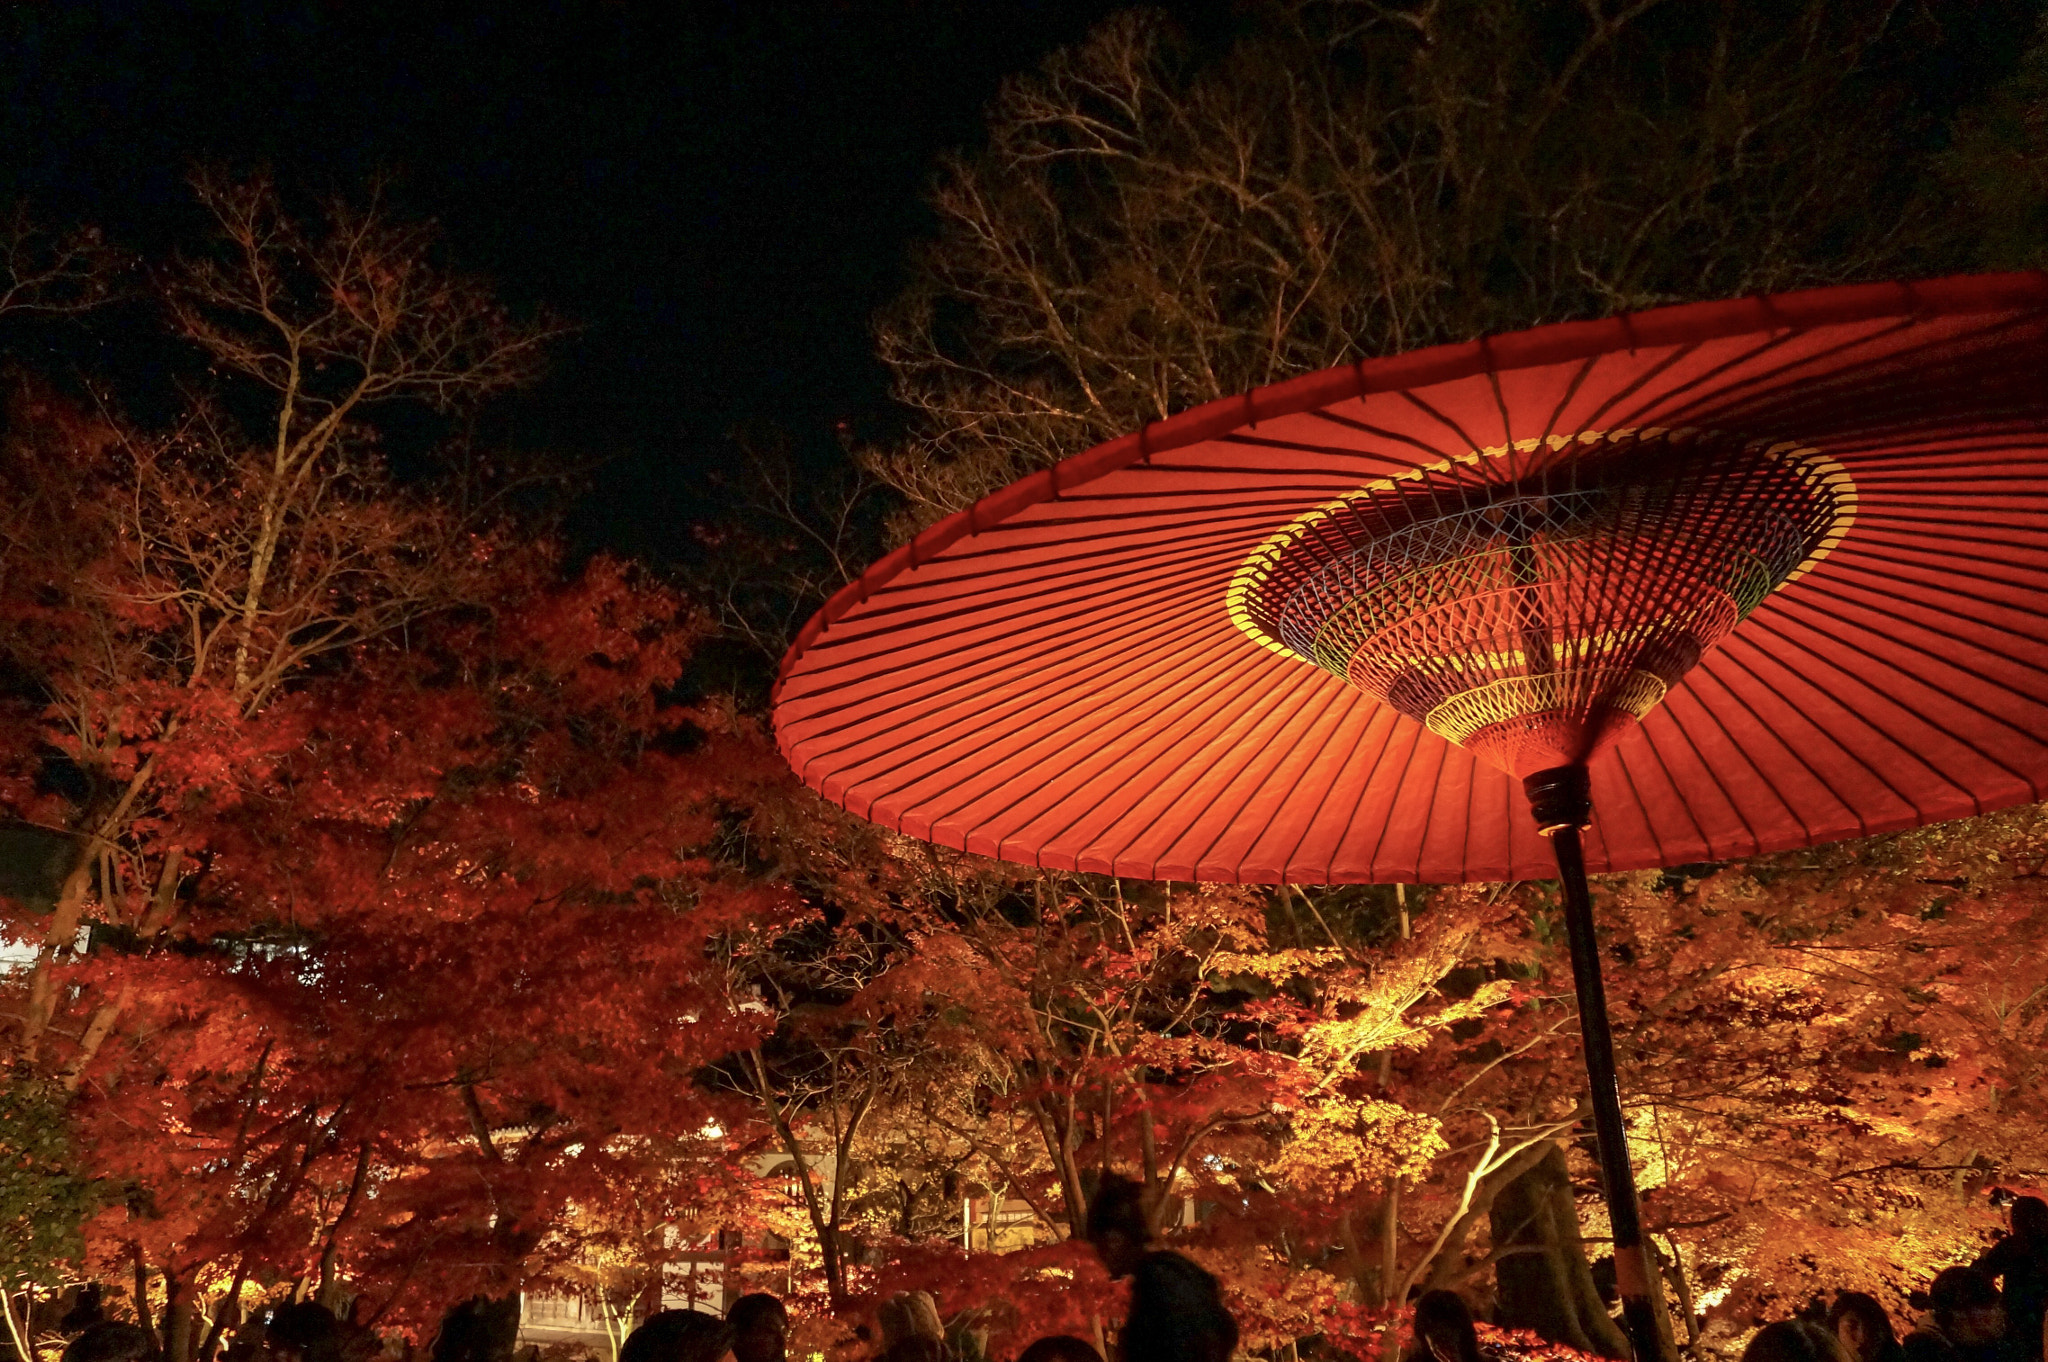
(1532, 602)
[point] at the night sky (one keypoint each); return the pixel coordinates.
(720, 193)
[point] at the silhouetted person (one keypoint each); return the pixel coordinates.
(677, 1336)
(2021, 1259)
(480, 1329)
(1795, 1340)
(1864, 1328)
(303, 1331)
(109, 1341)
(911, 1328)
(759, 1324)
(87, 1310)
(1965, 1324)
(1443, 1329)
(1060, 1348)
(1177, 1313)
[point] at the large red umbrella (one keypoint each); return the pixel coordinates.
(1747, 575)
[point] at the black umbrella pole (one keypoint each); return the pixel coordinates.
(1562, 805)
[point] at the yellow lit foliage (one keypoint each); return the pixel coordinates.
(1341, 1143)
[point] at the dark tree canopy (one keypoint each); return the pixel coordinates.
(1153, 224)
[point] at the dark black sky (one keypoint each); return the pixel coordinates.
(722, 193)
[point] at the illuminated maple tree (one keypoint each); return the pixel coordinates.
(387, 873)
(1092, 1024)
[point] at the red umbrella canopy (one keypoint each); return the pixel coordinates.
(1772, 569)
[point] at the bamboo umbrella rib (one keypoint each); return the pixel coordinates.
(1868, 582)
(1556, 419)
(1307, 693)
(1072, 740)
(1242, 514)
(1961, 486)
(1145, 580)
(1812, 735)
(1301, 870)
(1873, 696)
(1383, 463)
(1079, 666)
(1791, 752)
(1405, 739)
(1760, 778)
(1868, 513)
(1385, 435)
(1777, 382)
(1879, 454)
(1672, 729)
(995, 719)
(999, 614)
(1427, 807)
(1637, 807)
(1822, 623)
(1000, 633)
(1169, 739)
(1923, 526)
(1464, 440)
(1908, 562)
(1666, 405)
(1641, 381)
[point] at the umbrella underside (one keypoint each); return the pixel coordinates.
(1532, 603)
(1772, 568)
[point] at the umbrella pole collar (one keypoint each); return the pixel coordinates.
(1562, 802)
(1562, 799)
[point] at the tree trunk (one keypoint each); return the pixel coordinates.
(907, 1222)
(1675, 1275)
(227, 1316)
(96, 1032)
(330, 1283)
(20, 1330)
(142, 1311)
(162, 910)
(62, 931)
(825, 1216)
(1057, 1133)
(230, 1313)
(1544, 1281)
(180, 1315)
(1390, 1242)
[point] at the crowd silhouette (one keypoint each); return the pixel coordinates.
(1990, 1311)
